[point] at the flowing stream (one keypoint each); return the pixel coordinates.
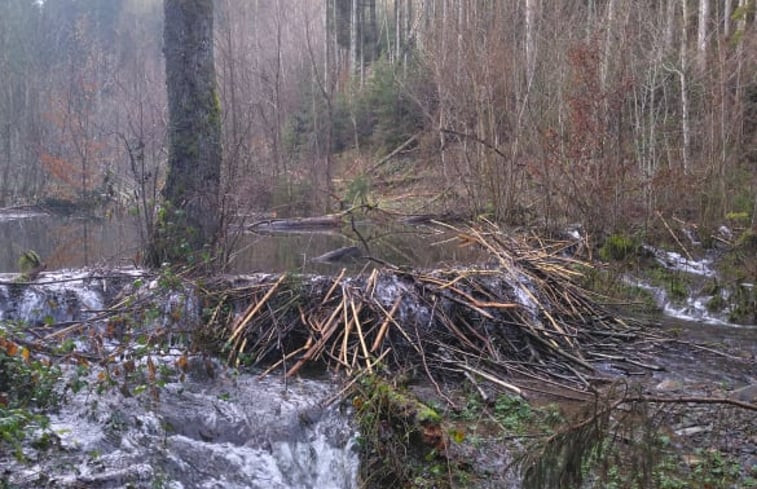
(219, 430)
(206, 426)
(694, 308)
(215, 428)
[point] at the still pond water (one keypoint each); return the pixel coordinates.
(75, 242)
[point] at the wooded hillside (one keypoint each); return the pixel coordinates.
(595, 111)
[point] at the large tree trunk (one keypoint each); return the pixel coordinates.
(191, 219)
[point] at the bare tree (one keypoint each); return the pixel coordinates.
(530, 40)
(682, 74)
(702, 34)
(609, 32)
(354, 33)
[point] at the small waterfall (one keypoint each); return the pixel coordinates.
(695, 307)
(61, 296)
(676, 262)
(230, 431)
(208, 427)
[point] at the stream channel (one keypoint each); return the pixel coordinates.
(216, 427)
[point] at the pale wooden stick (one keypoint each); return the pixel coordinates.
(356, 318)
(385, 325)
(337, 281)
(253, 309)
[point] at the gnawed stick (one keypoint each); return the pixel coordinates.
(693, 400)
(481, 391)
(353, 381)
(493, 379)
(360, 337)
(385, 324)
(337, 281)
(286, 357)
(252, 310)
(675, 237)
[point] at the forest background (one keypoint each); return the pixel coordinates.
(599, 112)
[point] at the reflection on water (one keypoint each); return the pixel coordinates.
(66, 242)
(420, 247)
(69, 242)
(708, 354)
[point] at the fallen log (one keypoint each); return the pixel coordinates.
(346, 253)
(297, 224)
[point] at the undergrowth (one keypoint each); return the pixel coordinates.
(615, 444)
(27, 388)
(609, 283)
(619, 247)
(406, 442)
(601, 444)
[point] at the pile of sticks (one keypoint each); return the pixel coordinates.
(518, 320)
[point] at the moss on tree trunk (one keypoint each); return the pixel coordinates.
(190, 220)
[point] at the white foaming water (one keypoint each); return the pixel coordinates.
(232, 431)
(389, 288)
(54, 301)
(227, 430)
(675, 261)
(524, 293)
(694, 309)
(59, 296)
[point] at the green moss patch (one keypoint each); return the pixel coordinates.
(619, 247)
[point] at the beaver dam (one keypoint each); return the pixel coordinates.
(518, 323)
(520, 320)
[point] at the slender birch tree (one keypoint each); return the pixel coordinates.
(702, 34)
(530, 40)
(684, 55)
